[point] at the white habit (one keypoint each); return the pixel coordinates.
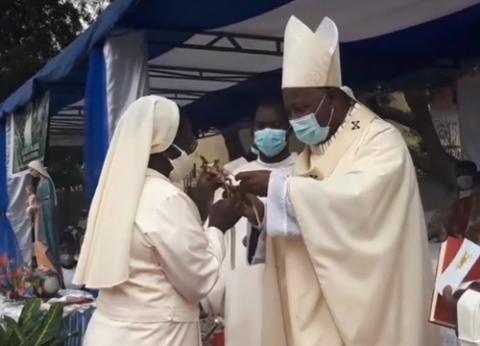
(145, 248)
(173, 265)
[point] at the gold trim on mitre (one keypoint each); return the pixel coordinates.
(311, 59)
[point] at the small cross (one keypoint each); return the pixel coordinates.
(356, 125)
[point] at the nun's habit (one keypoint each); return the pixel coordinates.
(145, 247)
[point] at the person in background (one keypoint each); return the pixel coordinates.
(462, 219)
(465, 177)
(243, 268)
(47, 245)
(465, 305)
(67, 260)
(353, 269)
(464, 210)
(145, 248)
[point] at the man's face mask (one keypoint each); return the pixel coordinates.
(464, 182)
(308, 130)
(182, 165)
(271, 142)
(67, 260)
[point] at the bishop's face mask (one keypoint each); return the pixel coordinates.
(182, 165)
(308, 130)
(270, 142)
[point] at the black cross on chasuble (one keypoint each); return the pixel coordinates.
(356, 125)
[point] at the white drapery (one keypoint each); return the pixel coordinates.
(17, 198)
(126, 72)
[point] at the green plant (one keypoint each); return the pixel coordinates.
(34, 327)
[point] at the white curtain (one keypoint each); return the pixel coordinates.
(126, 72)
(17, 213)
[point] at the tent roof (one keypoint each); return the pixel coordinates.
(218, 58)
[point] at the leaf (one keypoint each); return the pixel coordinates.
(3, 336)
(8, 335)
(30, 312)
(62, 339)
(13, 326)
(52, 324)
(34, 333)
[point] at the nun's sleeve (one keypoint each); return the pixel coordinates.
(190, 256)
(214, 302)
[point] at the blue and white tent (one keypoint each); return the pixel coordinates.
(242, 39)
(217, 58)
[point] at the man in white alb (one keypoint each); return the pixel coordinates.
(237, 295)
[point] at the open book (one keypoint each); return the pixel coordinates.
(440, 312)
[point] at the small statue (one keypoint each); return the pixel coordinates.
(46, 244)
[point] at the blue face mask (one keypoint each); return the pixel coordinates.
(271, 142)
(308, 130)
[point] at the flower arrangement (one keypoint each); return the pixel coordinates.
(17, 282)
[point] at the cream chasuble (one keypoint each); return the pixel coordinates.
(359, 274)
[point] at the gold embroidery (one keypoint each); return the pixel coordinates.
(465, 258)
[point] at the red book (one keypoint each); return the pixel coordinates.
(440, 312)
(219, 339)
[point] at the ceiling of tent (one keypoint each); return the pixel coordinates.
(219, 58)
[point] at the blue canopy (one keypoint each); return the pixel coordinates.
(381, 40)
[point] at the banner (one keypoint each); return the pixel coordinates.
(29, 134)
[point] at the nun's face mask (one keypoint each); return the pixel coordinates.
(183, 164)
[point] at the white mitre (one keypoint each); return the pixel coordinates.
(311, 59)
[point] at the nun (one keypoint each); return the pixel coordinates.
(145, 248)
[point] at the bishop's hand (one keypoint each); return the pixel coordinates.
(254, 182)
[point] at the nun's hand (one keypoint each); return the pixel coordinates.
(208, 183)
(225, 213)
(203, 193)
(254, 182)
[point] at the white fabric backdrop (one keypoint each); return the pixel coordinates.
(127, 72)
(16, 213)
